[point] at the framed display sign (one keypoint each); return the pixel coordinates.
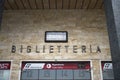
(56, 36)
(55, 71)
(5, 70)
(107, 70)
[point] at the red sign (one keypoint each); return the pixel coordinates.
(56, 66)
(61, 66)
(5, 65)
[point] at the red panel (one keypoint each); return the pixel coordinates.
(61, 66)
(5, 65)
(58, 65)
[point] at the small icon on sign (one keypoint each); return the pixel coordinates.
(48, 66)
(107, 66)
(27, 66)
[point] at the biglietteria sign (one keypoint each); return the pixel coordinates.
(55, 49)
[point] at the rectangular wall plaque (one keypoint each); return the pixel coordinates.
(56, 36)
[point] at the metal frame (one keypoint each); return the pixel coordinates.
(101, 67)
(10, 66)
(57, 61)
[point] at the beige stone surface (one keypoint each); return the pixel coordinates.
(27, 28)
(96, 69)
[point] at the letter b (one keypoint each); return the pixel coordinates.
(13, 50)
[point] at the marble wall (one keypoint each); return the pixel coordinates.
(27, 28)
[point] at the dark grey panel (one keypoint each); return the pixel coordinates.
(29, 74)
(108, 74)
(82, 74)
(4, 74)
(47, 74)
(65, 74)
(112, 9)
(1, 10)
